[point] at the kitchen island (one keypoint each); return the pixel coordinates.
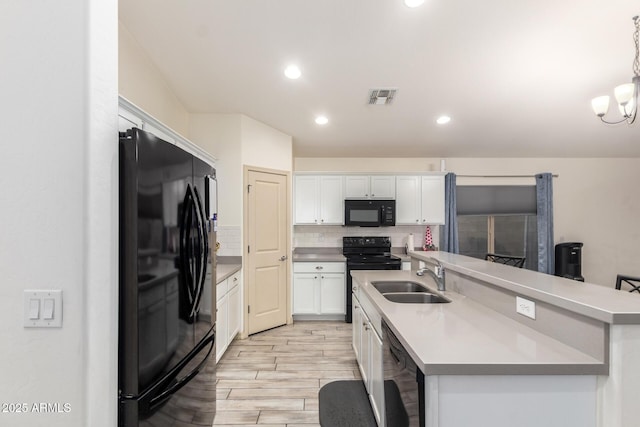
(486, 364)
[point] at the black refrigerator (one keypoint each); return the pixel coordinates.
(166, 345)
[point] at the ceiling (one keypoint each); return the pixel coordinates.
(516, 77)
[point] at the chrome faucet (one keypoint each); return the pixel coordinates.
(438, 274)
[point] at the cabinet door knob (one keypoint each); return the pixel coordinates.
(417, 220)
(322, 220)
(355, 288)
(315, 277)
(283, 258)
(373, 195)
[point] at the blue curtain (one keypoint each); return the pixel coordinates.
(450, 228)
(544, 200)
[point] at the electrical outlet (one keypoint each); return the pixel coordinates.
(526, 307)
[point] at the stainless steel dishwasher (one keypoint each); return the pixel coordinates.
(404, 397)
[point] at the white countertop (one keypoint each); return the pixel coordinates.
(595, 301)
(466, 338)
(224, 271)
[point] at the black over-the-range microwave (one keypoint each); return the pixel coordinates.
(370, 213)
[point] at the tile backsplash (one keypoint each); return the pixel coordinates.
(331, 236)
(229, 238)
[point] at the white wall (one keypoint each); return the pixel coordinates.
(265, 146)
(141, 82)
(58, 173)
(237, 140)
(595, 200)
(219, 134)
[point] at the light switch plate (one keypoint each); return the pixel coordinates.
(41, 304)
(526, 307)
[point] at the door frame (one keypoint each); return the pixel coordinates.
(245, 241)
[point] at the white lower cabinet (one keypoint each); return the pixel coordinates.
(367, 344)
(319, 288)
(229, 309)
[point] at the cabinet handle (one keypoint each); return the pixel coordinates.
(373, 195)
(283, 258)
(355, 288)
(322, 220)
(322, 277)
(315, 277)
(356, 307)
(417, 220)
(318, 267)
(366, 327)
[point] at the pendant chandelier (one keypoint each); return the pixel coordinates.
(626, 94)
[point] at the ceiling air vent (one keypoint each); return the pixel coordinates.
(381, 96)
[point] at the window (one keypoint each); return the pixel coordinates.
(500, 220)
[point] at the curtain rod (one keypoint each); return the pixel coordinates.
(501, 176)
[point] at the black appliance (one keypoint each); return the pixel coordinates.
(370, 213)
(404, 393)
(367, 253)
(569, 261)
(165, 338)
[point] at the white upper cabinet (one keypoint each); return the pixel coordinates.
(306, 200)
(408, 200)
(433, 199)
(318, 199)
(370, 187)
(420, 200)
(331, 200)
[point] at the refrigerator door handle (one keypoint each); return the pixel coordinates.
(204, 251)
(185, 241)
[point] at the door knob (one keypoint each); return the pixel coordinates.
(283, 257)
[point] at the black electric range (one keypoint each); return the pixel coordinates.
(367, 253)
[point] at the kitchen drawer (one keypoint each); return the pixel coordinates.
(374, 316)
(221, 289)
(233, 281)
(318, 267)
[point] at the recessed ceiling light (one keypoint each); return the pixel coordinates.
(413, 3)
(443, 120)
(292, 72)
(322, 120)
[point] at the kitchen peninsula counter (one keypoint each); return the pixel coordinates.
(576, 356)
(464, 337)
(594, 301)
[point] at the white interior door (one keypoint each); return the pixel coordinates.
(267, 252)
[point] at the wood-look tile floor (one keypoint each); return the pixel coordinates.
(272, 378)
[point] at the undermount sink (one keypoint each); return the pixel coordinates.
(398, 286)
(415, 298)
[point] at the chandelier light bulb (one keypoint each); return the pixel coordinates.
(624, 93)
(600, 105)
(627, 94)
